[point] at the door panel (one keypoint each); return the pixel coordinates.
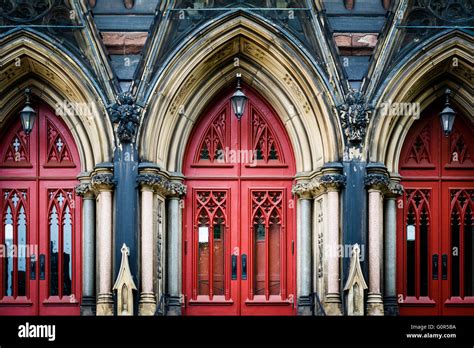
(208, 249)
(419, 239)
(59, 288)
(18, 264)
(458, 249)
(266, 242)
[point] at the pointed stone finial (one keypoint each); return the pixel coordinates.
(355, 284)
(125, 285)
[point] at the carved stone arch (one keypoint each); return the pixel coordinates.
(271, 65)
(421, 78)
(28, 60)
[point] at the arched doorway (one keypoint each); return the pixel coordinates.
(40, 217)
(239, 223)
(435, 219)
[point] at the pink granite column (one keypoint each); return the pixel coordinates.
(376, 182)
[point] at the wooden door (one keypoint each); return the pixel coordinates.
(41, 222)
(238, 247)
(435, 219)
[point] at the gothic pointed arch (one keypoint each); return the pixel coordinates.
(421, 78)
(206, 65)
(30, 60)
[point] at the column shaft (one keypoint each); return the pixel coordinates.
(104, 300)
(374, 299)
(88, 255)
(304, 258)
(147, 305)
(174, 260)
(333, 297)
(390, 262)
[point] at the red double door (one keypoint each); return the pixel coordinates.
(435, 220)
(239, 241)
(40, 219)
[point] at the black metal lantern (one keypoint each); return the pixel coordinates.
(447, 116)
(27, 114)
(238, 100)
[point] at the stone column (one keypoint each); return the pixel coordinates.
(376, 181)
(84, 189)
(177, 190)
(103, 183)
(332, 182)
(303, 240)
(390, 247)
(147, 303)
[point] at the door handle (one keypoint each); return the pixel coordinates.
(42, 262)
(244, 267)
(33, 267)
(234, 267)
(435, 264)
(444, 267)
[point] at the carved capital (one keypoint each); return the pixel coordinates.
(395, 189)
(332, 181)
(177, 189)
(304, 189)
(377, 181)
(103, 181)
(83, 189)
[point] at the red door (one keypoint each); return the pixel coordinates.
(435, 220)
(40, 234)
(238, 217)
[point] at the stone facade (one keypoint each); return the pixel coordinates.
(131, 91)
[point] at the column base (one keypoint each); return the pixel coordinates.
(88, 306)
(305, 306)
(105, 305)
(173, 307)
(147, 304)
(374, 304)
(391, 305)
(332, 304)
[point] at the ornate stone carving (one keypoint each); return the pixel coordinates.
(161, 184)
(395, 189)
(83, 188)
(177, 189)
(103, 179)
(318, 184)
(354, 115)
(126, 114)
(333, 180)
(377, 180)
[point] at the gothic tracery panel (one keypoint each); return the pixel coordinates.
(17, 152)
(417, 236)
(267, 237)
(14, 238)
(215, 139)
(263, 142)
(57, 153)
(61, 237)
(210, 233)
